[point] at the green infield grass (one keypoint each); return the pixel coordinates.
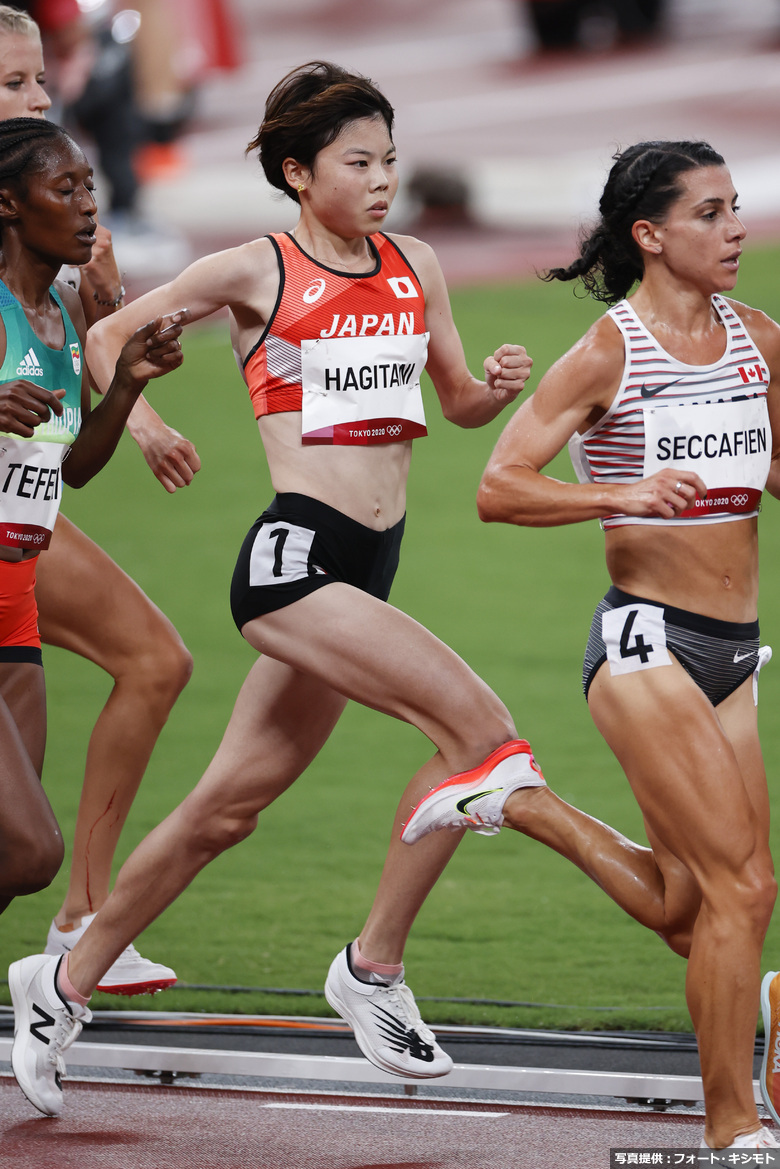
(512, 935)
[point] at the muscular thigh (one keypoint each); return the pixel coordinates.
(691, 770)
(375, 654)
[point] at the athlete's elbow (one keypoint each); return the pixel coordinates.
(489, 507)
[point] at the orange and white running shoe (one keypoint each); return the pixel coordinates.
(475, 799)
(770, 1065)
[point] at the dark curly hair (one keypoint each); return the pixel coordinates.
(307, 111)
(642, 184)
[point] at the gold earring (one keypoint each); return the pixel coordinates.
(301, 187)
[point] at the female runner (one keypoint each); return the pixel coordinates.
(50, 436)
(668, 406)
(333, 324)
(88, 605)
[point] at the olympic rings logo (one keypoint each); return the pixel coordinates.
(394, 430)
(739, 500)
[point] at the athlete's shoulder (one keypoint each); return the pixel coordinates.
(749, 315)
(591, 370)
(762, 328)
(411, 247)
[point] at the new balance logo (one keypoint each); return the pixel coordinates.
(401, 1038)
(29, 366)
(45, 1020)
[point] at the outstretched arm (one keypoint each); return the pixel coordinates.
(228, 278)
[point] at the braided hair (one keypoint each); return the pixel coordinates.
(26, 147)
(642, 184)
(307, 111)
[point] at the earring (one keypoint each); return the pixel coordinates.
(301, 187)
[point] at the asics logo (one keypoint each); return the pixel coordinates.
(45, 1020)
(314, 291)
(648, 392)
(739, 500)
(463, 805)
(29, 366)
(401, 1038)
(740, 657)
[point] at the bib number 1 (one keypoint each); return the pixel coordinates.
(635, 638)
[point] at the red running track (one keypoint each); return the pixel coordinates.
(109, 1126)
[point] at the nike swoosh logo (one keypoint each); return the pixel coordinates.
(651, 393)
(738, 657)
(463, 805)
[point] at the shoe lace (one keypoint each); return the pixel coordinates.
(411, 1012)
(67, 1029)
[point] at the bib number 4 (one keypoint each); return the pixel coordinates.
(635, 638)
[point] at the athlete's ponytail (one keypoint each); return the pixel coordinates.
(642, 184)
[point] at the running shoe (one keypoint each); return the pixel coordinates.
(770, 1065)
(762, 1138)
(46, 1023)
(131, 973)
(386, 1022)
(475, 799)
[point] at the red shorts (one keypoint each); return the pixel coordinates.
(18, 609)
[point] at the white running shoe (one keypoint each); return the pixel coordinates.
(475, 799)
(46, 1023)
(761, 1138)
(386, 1022)
(131, 973)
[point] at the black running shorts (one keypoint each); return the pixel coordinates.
(300, 544)
(718, 655)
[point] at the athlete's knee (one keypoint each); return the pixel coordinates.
(160, 672)
(30, 862)
(746, 895)
(760, 894)
(213, 829)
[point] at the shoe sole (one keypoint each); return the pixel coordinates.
(128, 989)
(340, 1007)
(766, 1012)
(22, 1023)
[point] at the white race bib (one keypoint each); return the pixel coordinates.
(30, 491)
(729, 444)
(363, 390)
(635, 637)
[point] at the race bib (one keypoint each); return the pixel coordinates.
(358, 391)
(729, 444)
(30, 491)
(280, 554)
(635, 637)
